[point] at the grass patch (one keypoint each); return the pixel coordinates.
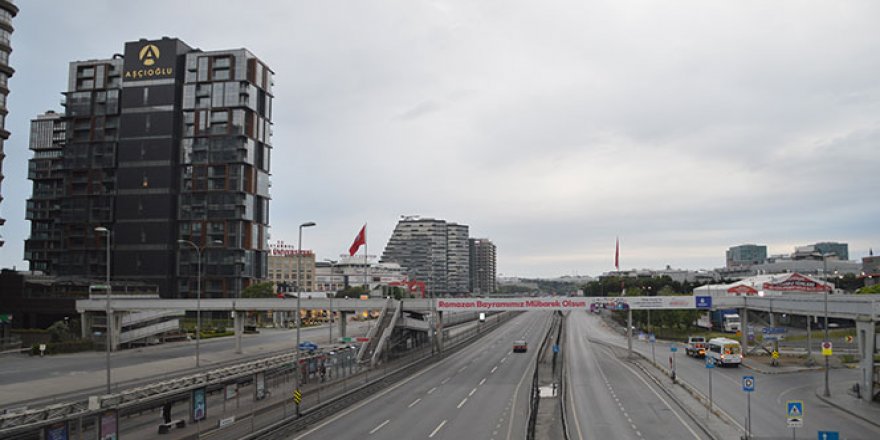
(818, 334)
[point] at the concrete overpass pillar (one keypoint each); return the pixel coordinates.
(438, 336)
(866, 333)
(238, 326)
(85, 324)
(744, 329)
(116, 322)
(629, 332)
(343, 320)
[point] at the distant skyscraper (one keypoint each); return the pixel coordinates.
(829, 247)
(746, 255)
(482, 261)
(433, 251)
(165, 143)
(7, 11)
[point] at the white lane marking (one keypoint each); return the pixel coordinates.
(373, 431)
(503, 359)
(461, 404)
(462, 369)
(432, 390)
(493, 369)
(634, 373)
(482, 381)
(437, 429)
(415, 402)
(472, 392)
(443, 382)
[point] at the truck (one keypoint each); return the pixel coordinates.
(726, 320)
(696, 346)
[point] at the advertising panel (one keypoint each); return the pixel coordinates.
(199, 405)
(567, 303)
(109, 423)
(56, 431)
(259, 386)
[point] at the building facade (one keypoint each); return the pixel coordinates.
(8, 10)
(482, 266)
(48, 136)
(746, 255)
(871, 269)
(167, 147)
(828, 247)
(433, 251)
(352, 271)
(286, 264)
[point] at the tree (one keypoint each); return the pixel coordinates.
(870, 289)
(352, 292)
(259, 290)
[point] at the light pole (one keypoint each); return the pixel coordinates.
(198, 297)
(104, 230)
(825, 289)
(332, 266)
(299, 282)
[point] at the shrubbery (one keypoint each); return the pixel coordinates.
(65, 347)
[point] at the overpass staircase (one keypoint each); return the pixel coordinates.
(380, 333)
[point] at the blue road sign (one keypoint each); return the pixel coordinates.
(556, 348)
(704, 302)
(748, 383)
(773, 330)
(709, 363)
(829, 435)
(673, 348)
(652, 338)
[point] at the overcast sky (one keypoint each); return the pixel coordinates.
(551, 127)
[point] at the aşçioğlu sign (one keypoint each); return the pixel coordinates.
(570, 303)
(149, 60)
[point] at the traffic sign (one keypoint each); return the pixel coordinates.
(748, 383)
(709, 362)
(795, 412)
(704, 302)
(848, 339)
(652, 338)
(5, 318)
(775, 355)
(829, 435)
(556, 348)
(826, 348)
(673, 348)
(773, 330)
(297, 396)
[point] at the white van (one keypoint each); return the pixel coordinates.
(723, 352)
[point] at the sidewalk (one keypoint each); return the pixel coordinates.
(844, 399)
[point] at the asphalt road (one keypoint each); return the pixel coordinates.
(610, 399)
(768, 402)
(480, 392)
(27, 379)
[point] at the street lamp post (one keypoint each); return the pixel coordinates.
(108, 344)
(825, 289)
(299, 282)
(332, 266)
(198, 297)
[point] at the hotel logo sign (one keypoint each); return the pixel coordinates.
(149, 60)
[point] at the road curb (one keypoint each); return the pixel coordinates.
(819, 392)
(764, 371)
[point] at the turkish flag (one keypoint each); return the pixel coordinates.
(359, 241)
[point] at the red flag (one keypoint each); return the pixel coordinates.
(359, 241)
(617, 254)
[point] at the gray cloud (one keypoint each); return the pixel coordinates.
(549, 128)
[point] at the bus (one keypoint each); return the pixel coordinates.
(723, 352)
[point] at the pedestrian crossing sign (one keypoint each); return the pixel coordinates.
(795, 413)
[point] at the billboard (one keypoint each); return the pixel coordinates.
(566, 303)
(109, 426)
(199, 405)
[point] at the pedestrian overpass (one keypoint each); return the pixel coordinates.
(863, 309)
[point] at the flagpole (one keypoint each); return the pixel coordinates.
(366, 264)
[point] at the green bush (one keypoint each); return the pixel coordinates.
(74, 346)
(29, 331)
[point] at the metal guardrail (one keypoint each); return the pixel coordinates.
(865, 307)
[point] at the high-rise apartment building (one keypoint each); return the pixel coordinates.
(48, 136)
(166, 145)
(482, 266)
(8, 10)
(433, 251)
(746, 255)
